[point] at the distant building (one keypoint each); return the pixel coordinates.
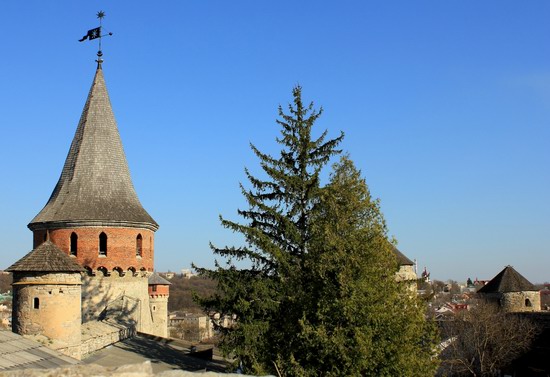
(192, 327)
(187, 273)
(425, 275)
(512, 292)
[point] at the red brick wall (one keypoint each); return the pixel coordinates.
(121, 247)
(162, 290)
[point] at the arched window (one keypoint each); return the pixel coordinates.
(139, 244)
(36, 303)
(74, 243)
(528, 302)
(102, 244)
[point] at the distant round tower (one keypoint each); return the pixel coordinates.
(47, 297)
(159, 290)
(94, 214)
(512, 292)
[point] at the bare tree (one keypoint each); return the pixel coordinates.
(484, 340)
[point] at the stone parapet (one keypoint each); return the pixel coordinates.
(97, 335)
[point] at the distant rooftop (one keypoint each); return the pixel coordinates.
(156, 279)
(508, 280)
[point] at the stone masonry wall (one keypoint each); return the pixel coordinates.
(121, 247)
(528, 301)
(158, 306)
(97, 335)
(93, 370)
(407, 274)
(123, 299)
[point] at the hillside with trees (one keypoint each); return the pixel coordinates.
(182, 290)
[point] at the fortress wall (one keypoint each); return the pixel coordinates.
(98, 335)
(159, 316)
(124, 299)
(407, 274)
(527, 301)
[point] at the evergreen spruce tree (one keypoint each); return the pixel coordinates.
(265, 298)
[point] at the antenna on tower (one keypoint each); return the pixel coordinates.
(96, 34)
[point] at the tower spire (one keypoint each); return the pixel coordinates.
(95, 186)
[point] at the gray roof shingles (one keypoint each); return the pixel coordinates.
(17, 352)
(95, 185)
(156, 279)
(401, 258)
(46, 258)
(508, 280)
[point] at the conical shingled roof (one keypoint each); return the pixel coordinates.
(508, 280)
(46, 258)
(401, 258)
(95, 187)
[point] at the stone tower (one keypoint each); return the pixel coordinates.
(158, 301)
(47, 296)
(512, 292)
(95, 217)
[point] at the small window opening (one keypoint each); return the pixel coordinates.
(139, 244)
(74, 243)
(102, 244)
(528, 302)
(154, 288)
(36, 303)
(154, 308)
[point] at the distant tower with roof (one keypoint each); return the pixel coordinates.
(512, 292)
(93, 223)
(159, 291)
(406, 272)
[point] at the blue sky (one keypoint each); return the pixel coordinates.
(445, 106)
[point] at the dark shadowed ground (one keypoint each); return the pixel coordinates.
(164, 354)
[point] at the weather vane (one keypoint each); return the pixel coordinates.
(96, 34)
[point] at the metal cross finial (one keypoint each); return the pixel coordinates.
(99, 60)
